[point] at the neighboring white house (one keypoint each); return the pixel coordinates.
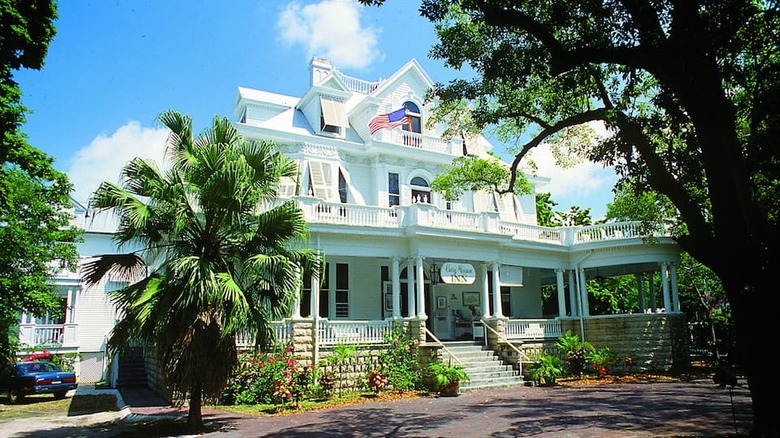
(395, 249)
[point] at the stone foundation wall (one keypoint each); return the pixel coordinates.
(652, 342)
(641, 342)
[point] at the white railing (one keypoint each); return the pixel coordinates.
(357, 85)
(532, 232)
(349, 214)
(46, 334)
(424, 214)
(318, 211)
(621, 230)
(353, 332)
(532, 329)
(456, 220)
(421, 141)
(282, 332)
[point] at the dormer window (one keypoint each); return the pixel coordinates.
(333, 117)
(421, 192)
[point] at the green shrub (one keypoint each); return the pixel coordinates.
(398, 362)
(575, 353)
(602, 360)
(268, 378)
(546, 369)
(65, 361)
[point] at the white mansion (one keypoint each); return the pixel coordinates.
(397, 251)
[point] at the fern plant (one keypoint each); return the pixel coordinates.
(546, 369)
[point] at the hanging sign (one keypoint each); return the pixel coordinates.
(458, 273)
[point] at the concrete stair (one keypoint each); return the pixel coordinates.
(486, 370)
(132, 369)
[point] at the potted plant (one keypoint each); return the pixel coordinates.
(447, 377)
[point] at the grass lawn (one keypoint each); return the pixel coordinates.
(45, 405)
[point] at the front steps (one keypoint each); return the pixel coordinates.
(486, 370)
(132, 369)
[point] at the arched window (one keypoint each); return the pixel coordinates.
(413, 116)
(421, 191)
(414, 124)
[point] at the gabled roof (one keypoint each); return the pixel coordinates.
(330, 86)
(412, 67)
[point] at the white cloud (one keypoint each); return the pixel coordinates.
(103, 159)
(330, 29)
(580, 180)
(585, 184)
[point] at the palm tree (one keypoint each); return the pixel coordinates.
(215, 254)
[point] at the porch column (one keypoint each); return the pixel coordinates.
(651, 287)
(675, 292)
(584, 307)
(561, 292)
(484, 289)
(420, 287)
(314, 300)
(497, 310)
(315, 316)
(640, 288)
(396, 278)
(410, 287)
(299, 287)
(573, 294)
(665, 286)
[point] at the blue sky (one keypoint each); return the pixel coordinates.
(115, 65)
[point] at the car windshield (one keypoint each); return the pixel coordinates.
(37, 367)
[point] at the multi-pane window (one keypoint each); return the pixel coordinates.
(394, 189)
(342, 290)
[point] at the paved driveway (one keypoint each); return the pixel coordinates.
(664, 409)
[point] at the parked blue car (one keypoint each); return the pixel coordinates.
(36, 378)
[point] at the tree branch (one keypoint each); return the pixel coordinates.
(577, 119)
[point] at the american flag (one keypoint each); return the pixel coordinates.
(390, 120)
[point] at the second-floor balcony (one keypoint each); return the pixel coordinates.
(318, 211)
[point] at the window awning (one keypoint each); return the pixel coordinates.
(333, 112)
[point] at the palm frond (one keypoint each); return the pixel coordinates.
(127, 267)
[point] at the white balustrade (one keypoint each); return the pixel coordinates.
(353, 332)
(420, 141)
(282, 331)
(532, 329)
(620, 230)
(48, 334)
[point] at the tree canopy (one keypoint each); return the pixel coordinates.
(690, 91)
(34, 197)
(212, 255)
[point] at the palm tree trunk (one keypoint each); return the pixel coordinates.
(195, 417)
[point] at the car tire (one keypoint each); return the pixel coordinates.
(59, 395)
(15, 396)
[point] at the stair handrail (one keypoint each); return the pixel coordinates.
(441, 344)
(502, 338)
